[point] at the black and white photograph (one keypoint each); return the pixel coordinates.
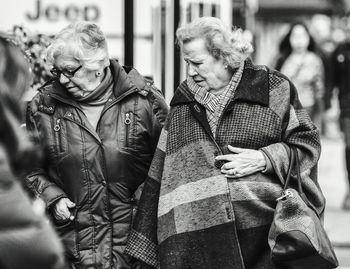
(175, 134)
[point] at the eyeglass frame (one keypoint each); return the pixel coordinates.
(68, 74)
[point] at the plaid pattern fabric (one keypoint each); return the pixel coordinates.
(195, 216)
(227, 96)
(215, 104)
(262, 129)
(207, 99)
(178, 139)
(141, 245)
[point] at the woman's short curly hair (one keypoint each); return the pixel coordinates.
(84, 41)
(220, 40)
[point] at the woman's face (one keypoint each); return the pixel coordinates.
(206, 71)
(299, 38)
(82, 81)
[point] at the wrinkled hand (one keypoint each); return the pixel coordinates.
(242, 163)
(61, 209)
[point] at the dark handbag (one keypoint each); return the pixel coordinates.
(297, 238)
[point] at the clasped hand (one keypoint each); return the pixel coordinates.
(242, 162)
(61, 209)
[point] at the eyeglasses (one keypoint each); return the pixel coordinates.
(69, 74)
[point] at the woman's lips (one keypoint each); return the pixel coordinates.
(75, 91)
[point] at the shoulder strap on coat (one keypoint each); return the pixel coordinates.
(46, 103)
(144, 84)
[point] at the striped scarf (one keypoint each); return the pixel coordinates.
(215, 104)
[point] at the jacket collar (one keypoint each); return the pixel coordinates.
(126, 79)
(253, 87)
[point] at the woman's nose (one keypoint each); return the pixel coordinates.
(63, 79)
(192, 70)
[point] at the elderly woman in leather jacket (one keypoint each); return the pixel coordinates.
(26, 239)
(99, 124)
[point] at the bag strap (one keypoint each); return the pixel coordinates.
(294, 160)
(290, 168)
(300, 188)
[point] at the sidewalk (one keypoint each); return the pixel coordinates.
(338, 228)
(332, 178)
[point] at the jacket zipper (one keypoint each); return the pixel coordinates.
(109, 106)
(117, 100)
(57, 129)
(127, 122)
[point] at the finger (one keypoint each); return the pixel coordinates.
(250, 170)
(235, 149)
(70, 204)
(73, 90)
(59, 216)
(65, 214)
(62, 217)
(233, 176)
(230, 172)
(227, 157)
(229, 165)
(63, 211)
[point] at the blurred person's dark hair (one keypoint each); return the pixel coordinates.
(285, 47)
(15, 78)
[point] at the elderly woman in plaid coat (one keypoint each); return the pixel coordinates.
(211, 191)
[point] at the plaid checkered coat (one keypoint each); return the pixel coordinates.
(190, 215)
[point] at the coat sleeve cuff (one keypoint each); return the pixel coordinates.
(268, 169)
(52, 194)
(278, 155)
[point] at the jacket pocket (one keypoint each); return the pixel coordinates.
(67, 232)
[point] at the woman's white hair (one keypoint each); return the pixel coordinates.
(84, 41)
(220, 40)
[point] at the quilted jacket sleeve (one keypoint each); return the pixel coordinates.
(37, 180)
(160, 111)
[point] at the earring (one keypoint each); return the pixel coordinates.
(226, 66)
(98, 73)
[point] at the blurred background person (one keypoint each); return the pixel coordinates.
(99, 124)
(341, 64)
(26, 239)
(321, 31)
(299, 62)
